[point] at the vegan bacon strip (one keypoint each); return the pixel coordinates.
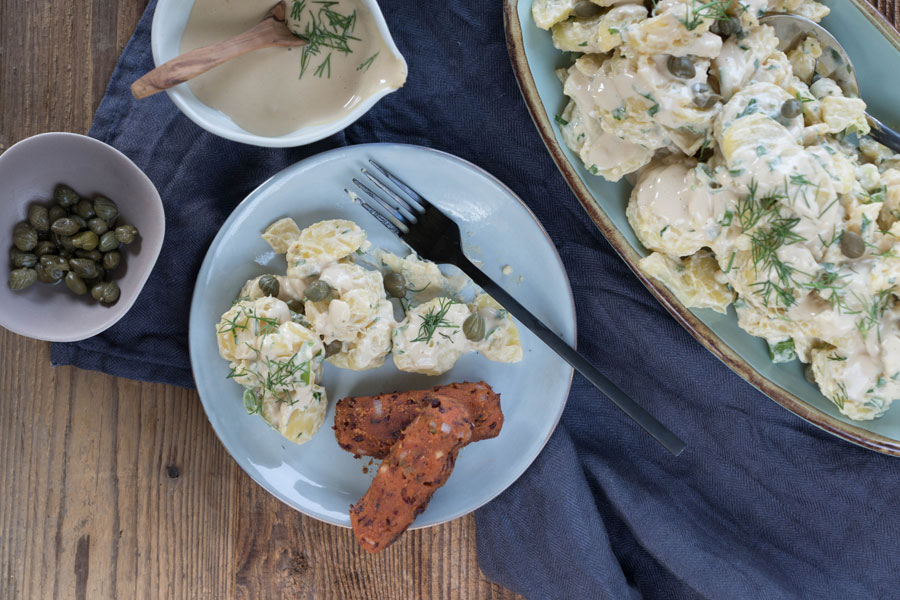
(370, 425)
(416, 466)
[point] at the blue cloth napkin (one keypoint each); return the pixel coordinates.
(760, 505)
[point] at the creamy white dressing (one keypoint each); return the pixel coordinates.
(263, 92)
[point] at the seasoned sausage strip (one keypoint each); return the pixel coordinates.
(417, 465)
(369, 425)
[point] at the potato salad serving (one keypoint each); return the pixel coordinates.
(754, 182)
(334, 304)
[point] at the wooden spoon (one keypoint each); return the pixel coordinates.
(270, 32)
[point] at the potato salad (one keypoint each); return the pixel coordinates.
(755, 185)
(333, 304)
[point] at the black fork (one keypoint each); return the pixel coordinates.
(436, 237)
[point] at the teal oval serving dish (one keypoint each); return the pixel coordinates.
(874, 47)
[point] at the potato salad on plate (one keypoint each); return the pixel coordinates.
(339, 303)
(754, 184)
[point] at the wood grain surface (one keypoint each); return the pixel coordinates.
(111, 488)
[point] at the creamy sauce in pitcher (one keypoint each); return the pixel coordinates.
(263, 91)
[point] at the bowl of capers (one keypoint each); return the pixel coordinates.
(83, 226)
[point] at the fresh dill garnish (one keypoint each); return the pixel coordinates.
(367, 63)
(696, 12)
(873, 311)
(653, 109)
(434, 319)
(751, 108)
(325, 29)
(841, 397)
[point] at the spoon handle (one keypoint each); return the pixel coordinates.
(269, 32)
(883, 134)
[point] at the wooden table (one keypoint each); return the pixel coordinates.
(111, 488)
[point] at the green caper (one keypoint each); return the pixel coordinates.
(681, 67)
(852, 244)
(93, 255)
(65, 244)
(318, 291)
(106, 292)
(21, 259)
(85, 209)
(726, 27)
(473, 327)
(108, 242)
(65, 195)
(43, 276)
(126, 233)
(25, 237)
(84, 267)
(86, 240)
(268, 285)
(395, 285)
(587, 10)
(106, 209)
(296, 306)
(54, 265)
(39, 217)
(19, 279)
(75, 283)
(703, 96)
(98, 225)
(82, 224)
(111, 260)
(334, 347)
(56, 212)
(791, 109)
(45, 247)
(65, 226)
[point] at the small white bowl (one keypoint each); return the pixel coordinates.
(169, 22)
(29, 171)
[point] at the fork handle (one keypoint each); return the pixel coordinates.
(659, 431)
(883, 134)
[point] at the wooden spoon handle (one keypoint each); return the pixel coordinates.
(269, 32)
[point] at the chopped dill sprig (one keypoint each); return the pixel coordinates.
(325, 29)
(434, 319)
(694, 14)
(367, 63)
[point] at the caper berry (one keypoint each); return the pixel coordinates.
(791, 109)
(39, 217)
(106, 209)
(65, 226)
(56, 212)
(333, 347)
(93, 255)
(45, 247)
(852, 244)
(19, 279)
(65, 195)
(84, 267)
(98, 225)
(108, 242)
(318, 291)
(126, 233)
(268, 285)
(75, 283)
(25, 237)
(726, 27)
(86, 240)
(106, 292)
(395, 285)
(703, 96)
(111, 260)
(473, 327)
(85, 209)
(681, 67)
(21, 259)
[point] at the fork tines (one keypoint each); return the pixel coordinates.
(391, 208)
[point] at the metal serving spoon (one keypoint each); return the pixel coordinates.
(791, 29)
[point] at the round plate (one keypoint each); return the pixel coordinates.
(318, 478)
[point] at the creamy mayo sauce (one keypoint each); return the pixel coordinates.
(263, 92)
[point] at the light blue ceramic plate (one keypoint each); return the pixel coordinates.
(318, 478)
(874, 48)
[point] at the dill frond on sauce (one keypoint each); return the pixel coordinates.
(326, 31)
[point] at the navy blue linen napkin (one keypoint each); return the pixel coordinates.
(760, 505)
